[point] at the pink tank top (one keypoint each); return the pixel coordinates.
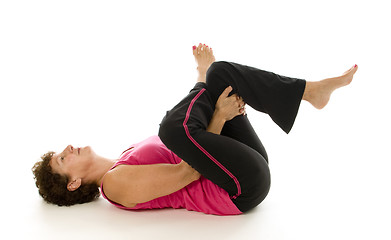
(201, 195)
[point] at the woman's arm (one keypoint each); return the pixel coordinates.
(226, 109)
(216, 124)
(132, 184)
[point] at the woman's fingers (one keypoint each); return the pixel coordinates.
(226, 92)
(239, 100)
(231, 106)
(241, 104)
(238, 104)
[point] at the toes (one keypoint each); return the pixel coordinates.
(347, 71)
(203, 50)
(199, 48)
(207, 49)
(355, 68)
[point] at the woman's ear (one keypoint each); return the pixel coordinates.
(73, 185)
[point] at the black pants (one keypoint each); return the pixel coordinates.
(235, 160)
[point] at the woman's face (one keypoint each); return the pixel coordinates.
(72, 162)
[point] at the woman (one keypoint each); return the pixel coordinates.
(206, 158)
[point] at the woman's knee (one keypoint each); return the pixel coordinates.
(219, 78)
(261, 179)
(216, 67)
(255, 191)
(217, 70)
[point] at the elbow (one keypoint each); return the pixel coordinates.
(126, 202)
(129, 205)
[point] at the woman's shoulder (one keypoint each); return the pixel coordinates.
(115, 188)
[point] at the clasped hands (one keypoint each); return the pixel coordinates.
(229, 107)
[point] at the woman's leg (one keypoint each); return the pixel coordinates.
(274, 94)
(318, 93)
(267, 92)
(237, 168)
(240, 129)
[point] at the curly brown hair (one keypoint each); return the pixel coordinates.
(53, 187)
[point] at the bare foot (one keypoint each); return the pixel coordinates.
(204, 58)
(318, 93)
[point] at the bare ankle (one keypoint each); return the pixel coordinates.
(309, 88)
(317, 93)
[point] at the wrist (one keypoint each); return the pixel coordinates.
(217, 122)
(218, 116)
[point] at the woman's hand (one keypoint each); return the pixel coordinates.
(226, 109)
(229, 107)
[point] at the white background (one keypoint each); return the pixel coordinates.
(103, 73)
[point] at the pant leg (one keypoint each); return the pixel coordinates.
(276, 95)
(240, 129)
(252, 84)
(239, 169)
(232, 165)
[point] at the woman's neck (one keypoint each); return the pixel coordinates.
(100, 166)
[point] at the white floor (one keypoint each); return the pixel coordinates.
(103, 74)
